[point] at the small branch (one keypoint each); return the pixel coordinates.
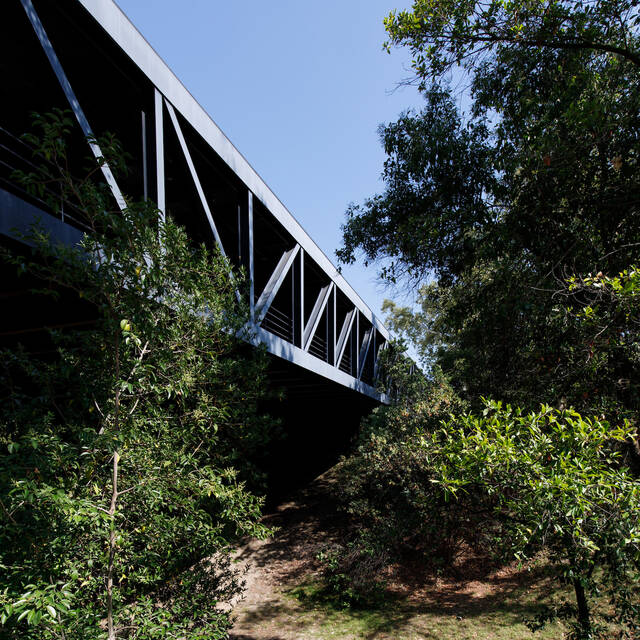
(135, 404)
(7, 513)
(491, 39)
(112, 548)
(95, 402)
(196, 449)
(121, 493)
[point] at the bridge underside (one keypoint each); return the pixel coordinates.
(85, 55)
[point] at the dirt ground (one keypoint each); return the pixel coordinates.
(305, 523)
(485, 603)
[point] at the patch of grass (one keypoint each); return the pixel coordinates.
(313, 594)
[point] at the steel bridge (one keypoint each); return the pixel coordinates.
(85, 55)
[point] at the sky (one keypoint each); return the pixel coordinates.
(300, 88)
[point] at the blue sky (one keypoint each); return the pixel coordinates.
(300, 88)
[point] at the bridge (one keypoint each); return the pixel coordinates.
(85, 55)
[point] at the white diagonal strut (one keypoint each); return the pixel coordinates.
(344, 336)
(376, 366)
(194, 175)
(364, 351)
(316, 314)
(275, 282)
(73, 101)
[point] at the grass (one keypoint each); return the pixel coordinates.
(477, 601)
(492, 617)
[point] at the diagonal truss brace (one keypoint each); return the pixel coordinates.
(344, 336)
(376, 366)
(194, 175)
(366, 344)
(316, 314)
(275, 282)
(73, 101)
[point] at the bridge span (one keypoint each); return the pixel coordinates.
(85, 55)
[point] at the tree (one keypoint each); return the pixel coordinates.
(499, 206)
(415, 326)
(502, 214)
(444, 34)
(125, 471)
(547, 487)
(606, 310)
(552, 481)
(385, 488)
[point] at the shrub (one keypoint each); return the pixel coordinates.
(122, 479)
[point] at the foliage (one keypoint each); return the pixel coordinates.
(434, 166)
(549, 482)
(351, 573)
(555, 483)
(499, 212)
(498, 207)
(398, 375)
(605, 309)
(415, 326)
(123, 480)
(385, 485)
(444, 33)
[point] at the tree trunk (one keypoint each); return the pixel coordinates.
(583, 610)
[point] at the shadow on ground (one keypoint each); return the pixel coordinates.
(305, 524)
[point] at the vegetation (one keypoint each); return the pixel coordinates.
(517, 222)
(493, 210)
(460, 616)
(127, 445)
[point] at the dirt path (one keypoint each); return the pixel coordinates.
(305, 524)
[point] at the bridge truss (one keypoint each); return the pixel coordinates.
(302, 309)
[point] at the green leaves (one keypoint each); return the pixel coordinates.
(494, 194)
(429, 217)
(498, 208)
(46, 606)
(155, 386)
(553, 482)
(444, 34)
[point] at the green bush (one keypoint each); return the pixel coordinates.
(123, 481)
(351, 573)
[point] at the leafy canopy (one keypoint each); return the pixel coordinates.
(496, 208)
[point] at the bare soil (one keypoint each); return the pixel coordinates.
(305, 524)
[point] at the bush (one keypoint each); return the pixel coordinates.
(387, 484)
(352, 575)
(122, 481)
(548, 482)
